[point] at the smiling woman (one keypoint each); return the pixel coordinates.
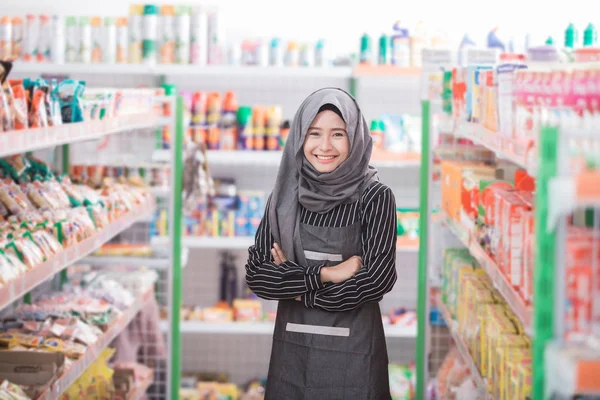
(326, 145)
(326, 250)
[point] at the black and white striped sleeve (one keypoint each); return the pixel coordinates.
(272, 281)
(378, 274)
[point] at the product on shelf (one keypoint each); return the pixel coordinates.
(150, 34)
(54, 332)
(42, 214)
(495, 338)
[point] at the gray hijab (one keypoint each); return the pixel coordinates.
(299, 183)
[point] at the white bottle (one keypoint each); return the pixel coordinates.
(122, 45)
(85, 40)
(182, 35)
(199, 37)
(57, 47)
(72, 41)
(109, 53)
(214, 37)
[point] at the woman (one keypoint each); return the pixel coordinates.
(326, 249)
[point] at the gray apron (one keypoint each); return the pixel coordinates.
(320, 355)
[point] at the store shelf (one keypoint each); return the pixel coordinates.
(272, 159)
(266, 328)
(22, 141)
(17, 288)
(368, 70)
(174, 69)
(484, 137)
(199, 242)
(154, 262)
(462, 348)
(78, 367)
(510, 295)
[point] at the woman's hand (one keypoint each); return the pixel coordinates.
(278, 254)
(343, 271)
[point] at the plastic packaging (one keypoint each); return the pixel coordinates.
(19, 109)
(136, 20)
(199, 123)
(182, 35)
(69, 95)
(199, 37)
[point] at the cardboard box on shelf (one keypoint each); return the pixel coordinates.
(33, 369)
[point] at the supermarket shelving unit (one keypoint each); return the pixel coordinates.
(557, 195)
(23, 141)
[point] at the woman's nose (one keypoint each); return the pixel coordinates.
(325, 143)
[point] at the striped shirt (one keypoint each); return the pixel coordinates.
(290, 280)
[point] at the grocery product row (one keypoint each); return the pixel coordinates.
(60, 341)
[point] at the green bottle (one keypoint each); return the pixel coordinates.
(365, 49)
(590, 36)
(383, 50)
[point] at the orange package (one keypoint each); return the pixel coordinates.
(511, 235)
(19, 105)
(526, 289)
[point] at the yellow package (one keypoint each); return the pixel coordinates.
(228, 390)
(461, 270)
(188, 394)
(509, 348)
(8, 341)
(524, 376)
(483, 297)
(510, 372)
(489, 313)
(498, 324)
(477, 295)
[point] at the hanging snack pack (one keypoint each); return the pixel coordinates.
(5, 110)
(70, 94)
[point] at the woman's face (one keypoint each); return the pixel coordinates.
(326, 145)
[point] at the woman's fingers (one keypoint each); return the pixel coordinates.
(276, 258)
(280, 252)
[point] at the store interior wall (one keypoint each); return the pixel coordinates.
(342, 24)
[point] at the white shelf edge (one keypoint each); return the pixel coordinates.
(266, 159)
(18, 287)
(133, 261)
(266, 328)
(182, 70)
(80, 366)
(22, 141)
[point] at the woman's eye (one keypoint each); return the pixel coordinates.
(338, 134)
(314, 133)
